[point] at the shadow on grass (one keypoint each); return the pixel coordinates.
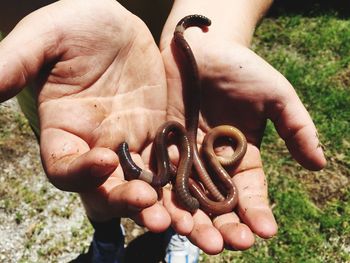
(338, 8)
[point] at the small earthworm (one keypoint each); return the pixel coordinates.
(189, 155)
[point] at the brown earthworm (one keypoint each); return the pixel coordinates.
(189, 155)
(165, 170)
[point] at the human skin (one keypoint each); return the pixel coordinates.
(239, 89)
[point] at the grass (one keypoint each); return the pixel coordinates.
(38, 223)
(312, 208)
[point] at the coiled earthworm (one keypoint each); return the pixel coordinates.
(189, 155)
(165, 170)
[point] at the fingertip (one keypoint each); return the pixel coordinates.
(181, 220)
(90, 170)
(183, 224)
(207, 238)
(126, 199)
(265, 229)
(154, 218)
(295, 126)
(205, 235)
(136, 194)
(261, 222)
(237, 236)
(306, 148)
(317, 162)
(104, 161)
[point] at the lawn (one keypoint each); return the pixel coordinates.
(312, 49)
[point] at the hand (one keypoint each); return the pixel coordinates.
(100, 80)
(241, 89)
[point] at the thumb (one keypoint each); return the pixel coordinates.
(295, 126)
(71, 165)
(24, 51)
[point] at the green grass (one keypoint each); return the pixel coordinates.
(312, 208)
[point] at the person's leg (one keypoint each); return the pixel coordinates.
(166, 247)
(108, 241)
(107, 244)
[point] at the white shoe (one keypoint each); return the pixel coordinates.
(180, 249)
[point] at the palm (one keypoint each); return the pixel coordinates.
(103, 90)
(237, 87)
(250, 91)
(237, 90)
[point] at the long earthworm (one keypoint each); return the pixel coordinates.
(189, 155)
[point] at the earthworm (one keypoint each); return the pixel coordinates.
(165, 170)
(221, 204)
(189, 155)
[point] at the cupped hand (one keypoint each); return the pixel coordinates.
(239, 88)
(99, 80)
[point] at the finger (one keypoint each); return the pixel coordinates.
(294, 124)
(35, 47)
(127, 198)
(237, 236)
(181, 220)
(155, 218)
(253, 206)
(118, 198)
(204, 235)
(71, 165)
(138, 200)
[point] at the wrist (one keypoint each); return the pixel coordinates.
(232, 20)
